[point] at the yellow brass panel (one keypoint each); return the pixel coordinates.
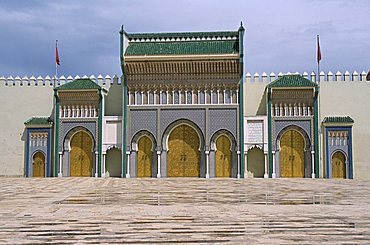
(39, 165)
(145, 155)
(81, 155)
(292, 155)
(183, 152)
(338, 165)
(223, 157)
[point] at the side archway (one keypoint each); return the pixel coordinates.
(223, 156)
(81, 155)
(143, 155)
(294, 149)
(113, 162)
(38, 164)
(256, 162)
(81, 152)
(338, 163)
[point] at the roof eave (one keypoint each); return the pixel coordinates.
(39, 125)
(129, 58)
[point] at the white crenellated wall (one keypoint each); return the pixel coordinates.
(24, 97)
(329, 77)
(341, 94)
(49, 81)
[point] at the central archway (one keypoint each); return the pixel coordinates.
(81, 155)
(292, 146)
(183, 152)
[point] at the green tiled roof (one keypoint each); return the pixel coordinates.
(292, 81)
(184, 34)
(183, 48)
(346, 119)
(39, 121)
(79, 84)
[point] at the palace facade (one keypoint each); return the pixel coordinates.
(183, 108)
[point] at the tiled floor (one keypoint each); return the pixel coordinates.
(198, 211)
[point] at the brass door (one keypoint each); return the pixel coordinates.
(183, 152)
(145, 155)
(38, 165)
(338, 163)
(223, 157)
(292, 155)
(81, 155)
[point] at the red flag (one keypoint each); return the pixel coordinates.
(57, 61)
(318, 50)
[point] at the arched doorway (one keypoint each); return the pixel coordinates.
(183, 152)
(338, 164)
(81, 155)
(144, 157)
(38, 168)
(223, 156)
(292, 154)
(256, 162)
(113, 162)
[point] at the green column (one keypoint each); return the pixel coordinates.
(269, 128)
(316, 132)
(241, 99)
(56, 134)
(124, 126)
(100, 134)
(124, 106)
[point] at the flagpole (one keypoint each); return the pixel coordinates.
(316, 122)
(318, 59)
(56, 65)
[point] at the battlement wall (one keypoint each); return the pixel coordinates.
(24, 97)
(49, 81)
(324, 77)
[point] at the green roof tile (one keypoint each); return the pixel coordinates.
(183, 35)
(346, 119)
(183, 48)
(39, 121)
(292, 81)
(79, 84)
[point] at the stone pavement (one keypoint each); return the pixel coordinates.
(184, 211)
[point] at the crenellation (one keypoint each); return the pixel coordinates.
(62, 79)
(69, 78)
(256, 77)
(363, 76)
(346, 76)
(100, 79)
(17, 80)
(355, 76)
(338, 76)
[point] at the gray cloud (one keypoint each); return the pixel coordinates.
(280, 34)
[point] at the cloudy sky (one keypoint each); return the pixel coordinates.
(280, 34)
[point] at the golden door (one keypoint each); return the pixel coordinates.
(38, 165)
(81, 155)
(183, 152)
(223, 157)
(338, 165)
(144, 157)
(292, 155)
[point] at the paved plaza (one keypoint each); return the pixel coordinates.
(191, 211)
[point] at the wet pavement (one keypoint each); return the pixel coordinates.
(184, 211)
